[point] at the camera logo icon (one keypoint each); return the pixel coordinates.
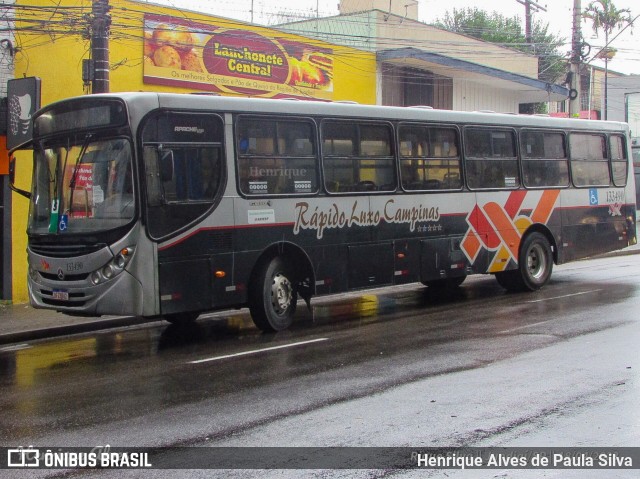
(21, 457)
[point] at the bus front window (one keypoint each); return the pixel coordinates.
(83, 186)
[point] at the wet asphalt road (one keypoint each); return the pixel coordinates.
(390, 367)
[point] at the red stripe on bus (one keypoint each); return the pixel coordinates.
(514, 203)
(486, 232)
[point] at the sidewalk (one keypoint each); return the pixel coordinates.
(21, 323)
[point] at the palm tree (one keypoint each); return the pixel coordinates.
(604, 15)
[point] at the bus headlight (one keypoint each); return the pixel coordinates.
(96, 278)
(108, 271)
(114, 267)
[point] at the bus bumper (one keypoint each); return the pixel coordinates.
(121, 296)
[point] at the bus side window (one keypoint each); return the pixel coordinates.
(276, 156)
(430, 160)
(491, 160)
(589, 164)
(154, 168)
(544, 159)
(619, 163)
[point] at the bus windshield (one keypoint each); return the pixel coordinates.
(81, 185)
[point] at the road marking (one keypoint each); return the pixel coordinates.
(565, 296)
(527, 326)
(257, 351)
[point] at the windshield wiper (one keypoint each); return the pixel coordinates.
(74, 175)
(83, 150)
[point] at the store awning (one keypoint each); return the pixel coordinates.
(529, 89)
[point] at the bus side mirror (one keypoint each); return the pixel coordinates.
(12, 177)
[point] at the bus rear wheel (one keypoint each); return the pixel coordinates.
(272, 297)
(534, 268)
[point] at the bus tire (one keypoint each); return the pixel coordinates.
(509, 280)
(445, 283)
(536, 261)
(181, 318)
(272, 296)
(535, 264)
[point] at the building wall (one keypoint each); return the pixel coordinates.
(376, 30)
(472, 96)
(402, 8)
(56, 57)
(624, 101)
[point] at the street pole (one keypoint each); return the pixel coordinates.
(101, 21)
(527, 17)
(574, 95)
(606, 83)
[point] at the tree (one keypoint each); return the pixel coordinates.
(496, 28)
(605, 16)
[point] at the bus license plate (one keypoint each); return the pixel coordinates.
(60, 295)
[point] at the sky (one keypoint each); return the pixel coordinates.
(559, 16)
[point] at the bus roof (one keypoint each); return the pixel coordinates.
(181, 101)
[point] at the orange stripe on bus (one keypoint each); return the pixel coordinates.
(504, 226)
(545, 206)
(471, 244)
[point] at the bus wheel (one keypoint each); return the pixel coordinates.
(509, 280)
(181, 318)
(445, 283)
(534, 268)
(536, 261)
(272, 297)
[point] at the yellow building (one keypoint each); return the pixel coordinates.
(155, 48)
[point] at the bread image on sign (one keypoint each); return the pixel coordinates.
(171, 46)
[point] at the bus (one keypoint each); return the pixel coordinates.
(635, 152)
(171, 205)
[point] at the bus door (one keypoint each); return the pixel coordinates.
(185, 176)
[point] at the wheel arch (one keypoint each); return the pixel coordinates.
(546, 232)
(298, 260)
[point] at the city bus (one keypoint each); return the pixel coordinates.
(171, 205)
(635, 152)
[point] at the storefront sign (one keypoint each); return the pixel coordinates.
(233, 60)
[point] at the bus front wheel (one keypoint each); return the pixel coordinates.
(534, 268)
(272, 297)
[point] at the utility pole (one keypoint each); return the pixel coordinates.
(100, 23)
(576, 47)
(527, 16)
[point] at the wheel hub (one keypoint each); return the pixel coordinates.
(281, 293)
(536, 262)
